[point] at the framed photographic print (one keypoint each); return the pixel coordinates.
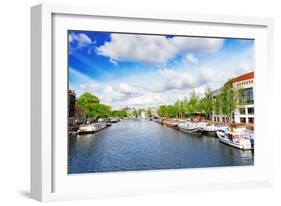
(131, 102)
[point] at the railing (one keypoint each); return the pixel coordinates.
(246, 101)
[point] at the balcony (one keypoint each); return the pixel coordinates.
(246, 101)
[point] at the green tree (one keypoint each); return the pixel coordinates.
(170, 111)
(162, 111)
(180, 108)
(119, 113)
(192, 104)
(207, 103)
(86, 102)
(135, 113)
(149, 112)
(229, 99)
(217, 105)
(101, 111)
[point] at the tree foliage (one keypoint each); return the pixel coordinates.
(119, 113)
(135, 113)
(193, 105)
(91, 107)
(86, 102)
(229, 99)
(149, 112)
(223, 103)
(207, 103)
(161, 111)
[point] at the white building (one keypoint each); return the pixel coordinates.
(244, 113)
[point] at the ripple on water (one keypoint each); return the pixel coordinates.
(131, 145)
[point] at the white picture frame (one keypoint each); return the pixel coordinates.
(49, 179)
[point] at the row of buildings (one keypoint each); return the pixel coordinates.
(244, 113)
(74, 113)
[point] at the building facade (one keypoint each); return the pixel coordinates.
(245, 111)
(71, 107)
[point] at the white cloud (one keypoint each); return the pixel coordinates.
(185, 80)
(113, 62)
(82, 39)
(121, 92)
(112, 95)
(205, 75)
(154, 49)
(191, 58)
(145, 100)
(127, 89)
(90, 86)
(79, 41)
(78, 76)
(243, 68)
(200, 91)
(189, 44)
(227, 73)
(175, 80)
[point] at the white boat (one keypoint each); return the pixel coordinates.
(91, 128)
(190, 128)
(209, 128)
(114, 120)
(172, 124)
(235, 139)
(250, 135)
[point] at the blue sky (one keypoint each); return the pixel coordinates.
(148, 70)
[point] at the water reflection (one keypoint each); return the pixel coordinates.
(140, 145)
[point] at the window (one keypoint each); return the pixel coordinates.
(251, 120)
(251, 110)
(242, 120)
(247, 96)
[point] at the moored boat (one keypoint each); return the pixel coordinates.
(91, 128)
(209, 129)
(190, 128)
(249, 134)
(163, 121)
(114, 120)
(172, 123)
(234, 138)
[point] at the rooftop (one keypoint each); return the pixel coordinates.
(243, 77)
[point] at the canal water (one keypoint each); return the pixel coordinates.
(131, 145)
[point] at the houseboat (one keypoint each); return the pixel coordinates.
(91, 128)
(114, 120)
(190, 128)
(209, 129)
(163, 121)
(172, 124)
